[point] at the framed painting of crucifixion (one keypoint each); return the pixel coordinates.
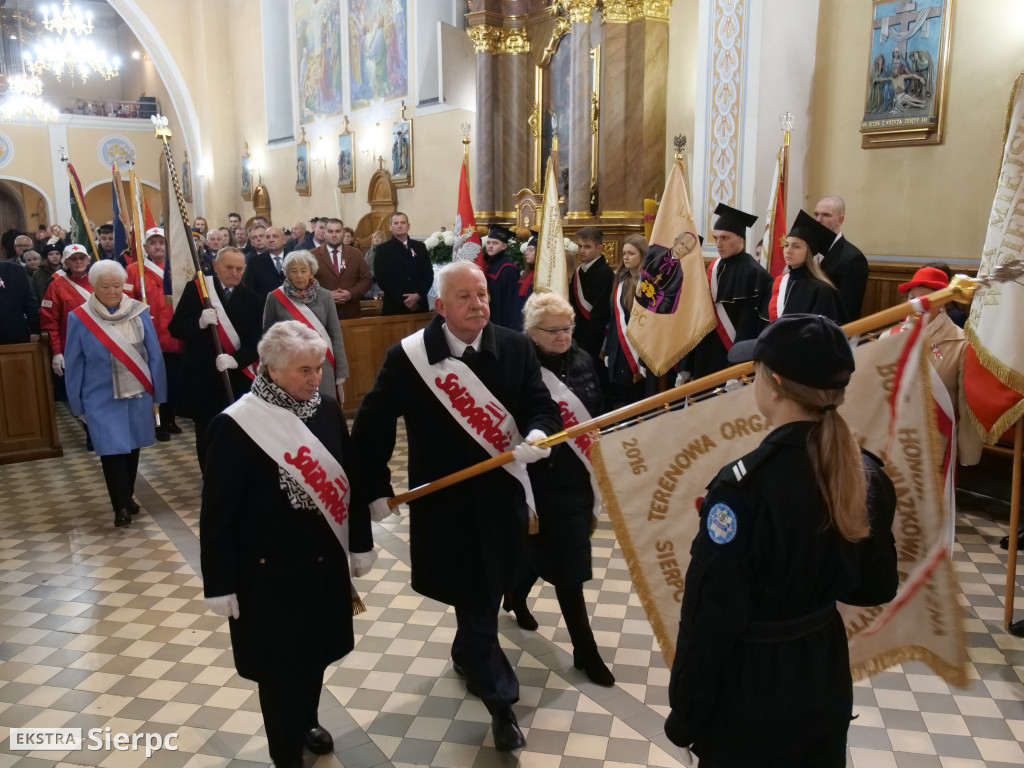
(907, 73)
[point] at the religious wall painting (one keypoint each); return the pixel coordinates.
(186, 179)
(246, 174)
(378, 50)
(302, 165)
(318, 58)
(7, 153)
(346, 163)
(907, 73)
(401, 154)
(552, 89)
(116, 149)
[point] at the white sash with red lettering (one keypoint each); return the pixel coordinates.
(573, 413)
(82, 291)
(581, 301)
(726, 330)
(281, 435)
(304, 315)
(230, 341)
(117, 344)
(459, 391)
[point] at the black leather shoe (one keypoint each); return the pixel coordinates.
(133, 507)
(505, 728)
(523, 616)
(173, 428)
(122, 517)
(163, 434)
(319, 741)
(1005, 541)
(593, 667)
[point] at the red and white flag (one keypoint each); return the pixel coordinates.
(994, 366)
(467, 240)
(775, 236)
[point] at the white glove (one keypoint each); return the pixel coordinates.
(223, 605)
(526, 453)
(733, 384)
(381, 510)
(339, 389)
(682, 377)
(360, 563)
(58, 364)
(208, 317)
(225, 361)
(686, 757)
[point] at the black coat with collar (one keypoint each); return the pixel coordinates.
(597, 283)
(261, 276)
(285, 564)
(19, 309)
(466, 540)
(846, 267)
(399, 270)
(805, 294)
(201, 388)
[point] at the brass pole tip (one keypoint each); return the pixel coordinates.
(964, 287)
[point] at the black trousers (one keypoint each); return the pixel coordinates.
(202, 424)
(289, 700)
(574, 610)
(488, 672)
(820, 749)
(120, 471)
(172, 364)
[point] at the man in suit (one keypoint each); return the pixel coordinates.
(590, 292)
(264, 272)
(342, 270)
(19, 309)
(844, 264)
(201, 394)
(403, 270)
(467, 540)
(256, 242)
(297, 237)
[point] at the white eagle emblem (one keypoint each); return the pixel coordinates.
(464, 249)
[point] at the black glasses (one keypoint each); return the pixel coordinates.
(556, 331)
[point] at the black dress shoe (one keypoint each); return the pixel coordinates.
(133, 507)
(505, 728)
(319, 741)
(163, 434)
(593, 667)
(122, 517)
(1005, 541)
(1017, 628)
(173, 428)
(523, 616)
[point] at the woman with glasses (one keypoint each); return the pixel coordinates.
(564, 487)
(625, 369)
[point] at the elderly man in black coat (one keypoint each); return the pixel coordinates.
(466, 540)
(19, 309)
(201, 393)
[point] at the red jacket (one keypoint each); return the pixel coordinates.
(60, 300)
(159, 305)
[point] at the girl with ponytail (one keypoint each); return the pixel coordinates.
(761, 674)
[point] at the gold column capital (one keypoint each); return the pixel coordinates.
(656, 10)
(491, 39)
(622, 11)
(579, 11)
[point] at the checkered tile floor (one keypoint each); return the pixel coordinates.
(104, 627)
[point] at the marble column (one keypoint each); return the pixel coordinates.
(485, 181)
(516, 100)
(616, 121)
(579, 109)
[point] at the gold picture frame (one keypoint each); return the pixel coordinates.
(402, 154)
(908, 73)
(246, 174)
(302, 166)
(346, 161)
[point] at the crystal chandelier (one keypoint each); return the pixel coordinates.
(73, 56)
(69, 21)
(23, 102)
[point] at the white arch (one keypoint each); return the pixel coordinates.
(150, 38)
(86, 190)
(50, 213)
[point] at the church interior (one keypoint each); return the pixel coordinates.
(357, 109)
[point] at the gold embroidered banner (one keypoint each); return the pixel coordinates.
(653, 473)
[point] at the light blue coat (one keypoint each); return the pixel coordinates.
(115, 426)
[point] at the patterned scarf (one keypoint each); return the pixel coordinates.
(269, 392)
(306, 296)
(126, 320)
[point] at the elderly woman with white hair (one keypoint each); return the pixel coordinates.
(301, 298)
(114, 374)
(282, 507)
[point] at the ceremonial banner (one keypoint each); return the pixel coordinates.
(653, 473)
(673, 310)
(121, 218)
(994, 367)
(775, 236)
(467, 239)
(551, 273)
(81, 232)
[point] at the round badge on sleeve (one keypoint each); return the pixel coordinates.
(721, 523)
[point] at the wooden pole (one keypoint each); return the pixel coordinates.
(1011, 558)
(959, 290)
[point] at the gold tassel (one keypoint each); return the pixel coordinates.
(357, 605)
(533, 526)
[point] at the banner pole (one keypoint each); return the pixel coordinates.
(1011, 559)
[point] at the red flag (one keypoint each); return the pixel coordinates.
(467, 241)
(775, 237)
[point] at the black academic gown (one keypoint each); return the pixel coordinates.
(201, 392)
(503, 289)
(805, 294)
(762, 657)
(466, 541)
(742, 284)
(845, 266)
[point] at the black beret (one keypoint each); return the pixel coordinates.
(808, 349)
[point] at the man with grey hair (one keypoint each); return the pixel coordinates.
(467, 390)
(844, 264)
(297, 238)
(22, 243)
(237, 318)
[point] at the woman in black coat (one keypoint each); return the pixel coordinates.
(567, 502)
(271, 560)
(803, 288)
